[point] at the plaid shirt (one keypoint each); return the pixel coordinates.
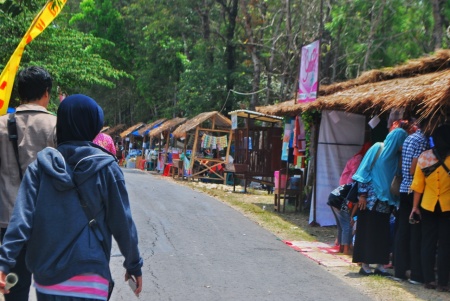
(413, 146)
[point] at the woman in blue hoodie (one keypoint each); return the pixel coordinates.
(68, 255)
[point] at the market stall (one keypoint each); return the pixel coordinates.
(419, 87)
(257, 147)
(210, 135)
(163, 132)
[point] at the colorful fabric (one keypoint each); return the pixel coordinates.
(89, 286)
(106, 142)
(413, 146)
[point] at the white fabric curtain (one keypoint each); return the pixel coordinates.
(341, 135)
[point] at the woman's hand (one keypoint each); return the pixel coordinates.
(415, 210)
(3, 283)
(137, 281)
(362, 203)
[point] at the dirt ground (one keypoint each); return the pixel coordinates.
(375, 287)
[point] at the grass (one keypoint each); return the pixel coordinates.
(258, 206)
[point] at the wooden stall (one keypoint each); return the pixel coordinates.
(202, 130)
(164, 131)
(144, 131)
(419, 88)
(127, 137)
(257, 147)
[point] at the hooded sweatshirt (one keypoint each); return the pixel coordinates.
(48, 215)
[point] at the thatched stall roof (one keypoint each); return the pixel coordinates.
(422, 85)
(104, 129)
(214, 117)
(166, 126)
(132, 129)
(115, 130)
(145, 130)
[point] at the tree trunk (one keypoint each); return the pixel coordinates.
(437, 28)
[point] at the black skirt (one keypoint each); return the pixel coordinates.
(372, 238)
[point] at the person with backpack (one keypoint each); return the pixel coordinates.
(22, 135)
(71, 203)
(431, 208)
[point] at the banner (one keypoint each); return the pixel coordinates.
(47, 14)
(309, 73)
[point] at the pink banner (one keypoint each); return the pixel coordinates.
(309, 73)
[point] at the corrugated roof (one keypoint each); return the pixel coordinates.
(256, 116)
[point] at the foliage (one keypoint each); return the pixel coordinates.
(147, 59)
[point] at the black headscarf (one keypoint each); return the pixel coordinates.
(441, 139)
(79, 118)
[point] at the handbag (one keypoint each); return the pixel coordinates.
(335, 201)
(352, 195)
(395, 185)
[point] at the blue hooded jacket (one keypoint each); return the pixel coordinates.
(48, 216)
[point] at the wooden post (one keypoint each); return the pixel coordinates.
(228, 153)
(194, 149)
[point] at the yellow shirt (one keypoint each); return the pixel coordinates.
(435, 187)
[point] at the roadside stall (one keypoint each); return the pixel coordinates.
(128, 140)
(166, 154)
(210, 135)
(143, 133)
(257, 147)
(361, 109)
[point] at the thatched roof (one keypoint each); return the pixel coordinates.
(132, 129)
(104, 129)
(220, 122)
(150, 126)
(113, 131)
(167, 126)
(422, 85)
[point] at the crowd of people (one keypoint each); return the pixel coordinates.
(417, 245)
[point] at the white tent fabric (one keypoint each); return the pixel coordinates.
(341, 135)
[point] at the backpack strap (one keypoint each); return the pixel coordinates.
(436, 154)
(13, 137)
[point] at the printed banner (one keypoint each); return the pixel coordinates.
(39, 24)
(309, 73)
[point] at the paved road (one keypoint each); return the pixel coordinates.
(197, 248)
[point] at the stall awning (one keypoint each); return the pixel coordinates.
(256, 116)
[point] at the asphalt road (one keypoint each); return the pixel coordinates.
(196, 248)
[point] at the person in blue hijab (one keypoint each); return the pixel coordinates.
(376, 202)
(71, 111)
(67, 253)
